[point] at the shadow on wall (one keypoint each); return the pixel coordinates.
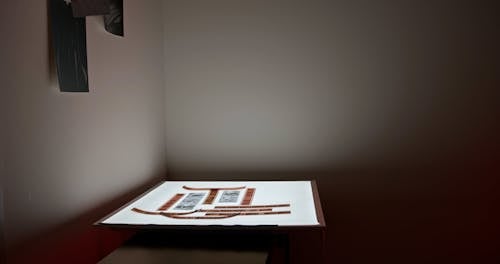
(442, 212)
(3, 257)
(77, 241)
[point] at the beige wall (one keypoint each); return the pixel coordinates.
(391, 105)
(67, 153)
(301, 85)
(356, 94)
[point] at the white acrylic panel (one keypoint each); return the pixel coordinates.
(298, 194)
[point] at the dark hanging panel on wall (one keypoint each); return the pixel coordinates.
(113, 22)
(83, 8)
(70, 47)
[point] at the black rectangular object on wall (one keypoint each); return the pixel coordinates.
(113, 22)
(69, 41)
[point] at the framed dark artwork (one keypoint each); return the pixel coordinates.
(69, 40)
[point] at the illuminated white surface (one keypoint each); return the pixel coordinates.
(296, 193)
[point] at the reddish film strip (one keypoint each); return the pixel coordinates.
(211, 214)
(250, 213)
(171, 202)
(250, 206)
(235, 210)
(247, 199)
(211, 196)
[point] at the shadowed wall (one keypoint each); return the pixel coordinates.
(391, 105)
(68, 154)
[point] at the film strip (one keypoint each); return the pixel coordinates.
(250, 206)
(236, 210)
(221, 213)
(171, 202)
(252, 213)
(211, 196)
(247, 199)
(183, 215)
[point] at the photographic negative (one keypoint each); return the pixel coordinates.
(229, 197)
(190, 201)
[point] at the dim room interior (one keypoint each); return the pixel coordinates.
(390, 107)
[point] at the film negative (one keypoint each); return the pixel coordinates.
(190, 201)
(229, 197)
(171, 202)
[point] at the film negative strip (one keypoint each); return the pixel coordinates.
(171, 202)
(215, 213)
(211, 196)
(229, 196)
(183, 215)
(251, 213)
(247, 199)
(237, 210)
(200, 217)
(190, 202)
(250, 206)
